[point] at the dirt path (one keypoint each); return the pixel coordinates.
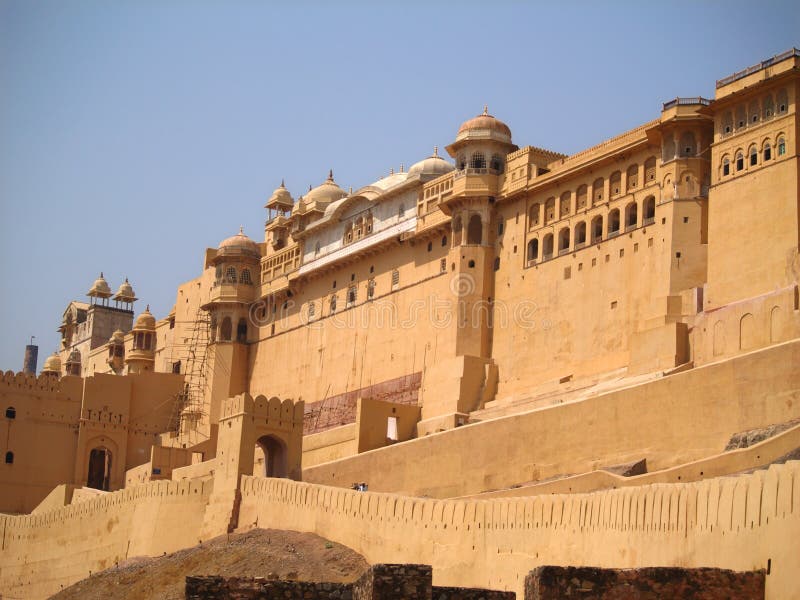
(256, 553)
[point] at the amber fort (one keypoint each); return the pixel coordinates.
(496, 358)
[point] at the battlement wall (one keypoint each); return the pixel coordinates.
(742, 523)
(43, 552)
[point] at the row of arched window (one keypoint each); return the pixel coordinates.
(474, 230)
(585, 195)
(753, 113)
(143, 341)
(228, 275)
(226, 330)
(576, 238)
(753, 156)
(355, 229)
(479, 160)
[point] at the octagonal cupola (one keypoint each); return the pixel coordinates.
(482, 143)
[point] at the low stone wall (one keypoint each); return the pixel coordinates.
(380, 582)
(555, 583)
(242, 588)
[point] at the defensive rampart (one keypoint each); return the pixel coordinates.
(41, 553)
(742, 523)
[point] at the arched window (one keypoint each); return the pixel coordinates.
(478, 161)
(351, 295)
(457, 231)
(225, 330)
(616, 183)
(688, 144)
(769, 106)
(218, 274)
(781, 146)
(312, 309)
(580, 234)
(497, 163)
(563, 240)
(650, 170)
(597, 190)
(649, 210)
(533, 250)
(739, 161)
(11, 413)
(244, 277)
(147, 342)
(597, 229)
(547, 246)
(241, 330)
(632, 177)
(533, 214)
(550, 210)
(9, 458)
(316, 249)
(213, 332)
(783, 102)
(631, 215)
(754, 112)
(475, 230)
(565, 204)
(726, 166)
(230, 275)
(401, 211)
(462, 161)
(371, 288)
(727, 123)
(444, 241)
(767, 151)
(333, 304)
(741, 118)
(581, 197)
(613, 222)
(753, 156)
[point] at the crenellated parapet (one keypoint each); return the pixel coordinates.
(282, 414)
(29, 382)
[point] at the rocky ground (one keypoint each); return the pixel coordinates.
(258, 553)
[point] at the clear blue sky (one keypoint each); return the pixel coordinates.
(135, 134)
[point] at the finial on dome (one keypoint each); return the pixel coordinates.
(485, 109)
(282, 184)
(351, 190)
(101, 275)
(330, 175)
(402, 168)
(436, 151)
(147, 308)
(391, 171)
(241, 229)
(309, 187)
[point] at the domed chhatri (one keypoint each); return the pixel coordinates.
(484, 126)
(280, 199)
(238, 245)
(434, 165)
(52, 366)
(325, 193)
(125, 293)
(145, 321)
(100, 288)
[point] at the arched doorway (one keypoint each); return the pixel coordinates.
(99, 469)
(271, 461)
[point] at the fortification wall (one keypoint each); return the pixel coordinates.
(669, 421)
(742, 523)
(42, 553)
